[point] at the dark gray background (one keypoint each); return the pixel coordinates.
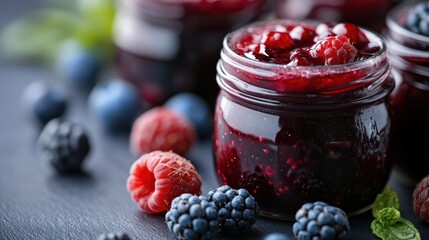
(36, 203)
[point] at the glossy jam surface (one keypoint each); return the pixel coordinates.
(167, 47)
(296, 44)
(309, 48)
(410, 99)
(367, 13)
(293, 134)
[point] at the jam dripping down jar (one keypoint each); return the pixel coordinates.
(294, 134)
(165, 47)
(409, 101)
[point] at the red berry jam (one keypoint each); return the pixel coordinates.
(410, 99)
(166, 47)
(366, 13)
(292, 126)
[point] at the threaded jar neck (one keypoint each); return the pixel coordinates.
(274, 84)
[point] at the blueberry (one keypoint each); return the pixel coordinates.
(276, 236)
(115, 104)
(195, 109)
(418, 19)
(80, 67)
(46, 101)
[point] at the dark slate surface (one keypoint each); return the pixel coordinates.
(36, 203)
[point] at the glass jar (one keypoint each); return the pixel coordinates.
(293, 134)
(166, 47)
(367, 13)
(409, 101)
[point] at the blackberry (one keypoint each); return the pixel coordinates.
(114, 236)
(65, 145)
(319, 220)
(237, 209)
(192, 217)
(418, 19)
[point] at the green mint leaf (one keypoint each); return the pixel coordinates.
(401, 230)
(388, 216)
(387, 198)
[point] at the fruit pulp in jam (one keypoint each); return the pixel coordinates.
(336, 157)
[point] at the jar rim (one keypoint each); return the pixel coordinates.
(396, 25)
(227, 45)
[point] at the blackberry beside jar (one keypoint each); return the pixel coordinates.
(410, 99)
(166, 47)
(294, 134)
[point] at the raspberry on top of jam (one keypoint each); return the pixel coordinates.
(300, 44)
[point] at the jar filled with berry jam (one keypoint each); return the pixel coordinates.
(408, 41)
(302, 115)
(366, 13)
(166, 47)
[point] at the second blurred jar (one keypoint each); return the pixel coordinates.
(366, 13)
(166, 47)
(409, 102)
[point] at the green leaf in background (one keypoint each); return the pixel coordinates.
(95, 31)
(401, 230)
(38, 35)
(387, 198)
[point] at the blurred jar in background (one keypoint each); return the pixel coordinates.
(366, 13)
(409, 101)
(166, 47)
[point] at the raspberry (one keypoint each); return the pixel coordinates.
(319, 220)
(421, 199)
(163, 129)
(302, 34)
(351, 31)
(237, 209)
(195, 109)
(300, 57)
(192, 217)
(334, 50)
(114, 236)
(156, 178)
(65, 145)
(323, 31)
(278, 40)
